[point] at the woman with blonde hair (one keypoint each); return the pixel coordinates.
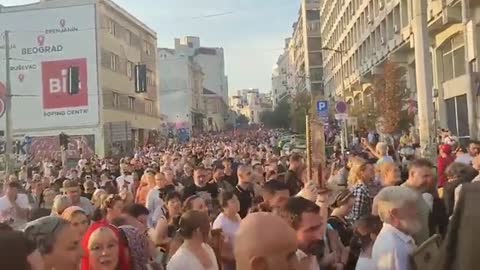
(360, 179)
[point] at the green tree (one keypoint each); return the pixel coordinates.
(278, 118)
(366, 114)
(242, 120)
(300, 106)
(391, 99)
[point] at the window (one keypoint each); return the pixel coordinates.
(111, 26)
(116, 100)
(150, 78)
(130, 69)
(149, 106)
(148, 48)
(453, 58)
(457, 115)
(114, 62)
(131, 103)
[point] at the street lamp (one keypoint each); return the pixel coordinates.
(344, 126)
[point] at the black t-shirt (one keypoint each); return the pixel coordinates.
(210, 188)
(165, 190)
(245, 197)
(186, 180)
(232, 179)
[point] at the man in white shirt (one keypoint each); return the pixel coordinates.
(14, 207)
(71, 188)
(126, 179)
(153, 198)
(394, 244)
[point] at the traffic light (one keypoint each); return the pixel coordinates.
(140, 78)
(73, 80)
(64, 139)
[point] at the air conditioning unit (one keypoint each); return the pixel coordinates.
(380, 4)
(396, 29)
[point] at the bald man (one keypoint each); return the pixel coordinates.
(265, 241)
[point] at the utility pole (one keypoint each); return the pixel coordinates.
(423, 74)
(10, 167)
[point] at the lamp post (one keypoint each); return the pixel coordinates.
(343, 134)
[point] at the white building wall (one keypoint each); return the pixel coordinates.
(213, 67)
(175, 86)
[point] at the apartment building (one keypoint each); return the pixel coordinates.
(181, 89)
(107, 116)
(251, 103)
(362, 34)
(193, 87)
(305, 50)
(281, 84)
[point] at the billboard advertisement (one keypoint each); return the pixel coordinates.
(44, 44)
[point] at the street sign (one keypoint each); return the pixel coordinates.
(322, 109)
(341, 107)
(341, 116)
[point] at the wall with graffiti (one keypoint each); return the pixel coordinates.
(39, 148)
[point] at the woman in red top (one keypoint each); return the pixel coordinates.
(445, 158)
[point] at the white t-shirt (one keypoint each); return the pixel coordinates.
(183, 259)
(228, 226)
(365, 263)
(8, 213)
(152, 204)
(125, 178)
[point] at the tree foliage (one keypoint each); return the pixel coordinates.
(391, 95)
(366, 114)
(278, 118)
(242, 120)
(300, 106)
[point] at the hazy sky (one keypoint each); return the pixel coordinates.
(252, 32)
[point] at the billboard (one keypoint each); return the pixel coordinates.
(44, 43)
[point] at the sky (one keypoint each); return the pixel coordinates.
(252, 32)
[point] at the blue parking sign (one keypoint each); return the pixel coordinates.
(322, 109)
(322, 106)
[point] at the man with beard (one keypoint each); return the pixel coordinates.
(219, 179)
(126, 179)
(244, 189)
(202, 187)
(397, 208)
(187, 178)
(275, 194)
(229, 171)
(259, 247)
(292, 178)
(305, 218)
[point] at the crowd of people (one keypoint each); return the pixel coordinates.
(235, 202)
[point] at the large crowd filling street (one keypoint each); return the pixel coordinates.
(238, 201)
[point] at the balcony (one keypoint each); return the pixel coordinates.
(313, 28)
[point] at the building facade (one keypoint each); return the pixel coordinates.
(305, 50)
(366, 33)
(251, 103)
(105, 42)
(281, 83)
(193, 79)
